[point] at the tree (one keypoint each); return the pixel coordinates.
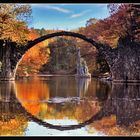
(91, 21)
(13, 22)
(123, 22)
(126, 20)
(13, 30)
(34, 57)
(62, 56)
(41, 31)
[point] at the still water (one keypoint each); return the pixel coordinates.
(68, 106)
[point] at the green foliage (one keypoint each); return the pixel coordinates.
(41, 32)
(62, 56)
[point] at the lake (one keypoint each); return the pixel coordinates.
(69, 106)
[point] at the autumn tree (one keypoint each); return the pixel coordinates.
(126, 19)
(13, 30)
(123, 22)
(13, 22)
(35, 57)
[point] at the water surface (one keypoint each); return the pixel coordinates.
(68, 106)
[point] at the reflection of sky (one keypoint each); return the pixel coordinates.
(61, 121)
(35, 129)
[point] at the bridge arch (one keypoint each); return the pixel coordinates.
(123, 61)
(100, 47)
(16, 53)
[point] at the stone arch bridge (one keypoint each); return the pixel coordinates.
(124, 61)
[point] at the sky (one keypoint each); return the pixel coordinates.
(65, 16)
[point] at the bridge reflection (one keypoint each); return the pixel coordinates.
(120, 100)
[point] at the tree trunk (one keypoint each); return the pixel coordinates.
(6, 72)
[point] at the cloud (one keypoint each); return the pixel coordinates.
(79, 14)
(51, 7)
(63, 10)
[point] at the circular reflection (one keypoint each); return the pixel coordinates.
(119, 114)
(49, 100)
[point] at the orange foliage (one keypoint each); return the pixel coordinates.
(14, 127)
(35, 57)
(31, 93)
(108, 126)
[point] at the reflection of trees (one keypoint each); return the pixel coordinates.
(82, 86)
(76, 108)
(77, 87)
(81, 110)
(103, 90)
(62, 87)
(12, 119)
(123, 103)
(126, 103)
(30, 93)
(119, 104)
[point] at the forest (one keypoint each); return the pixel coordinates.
(47, 90)
(58, 54)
